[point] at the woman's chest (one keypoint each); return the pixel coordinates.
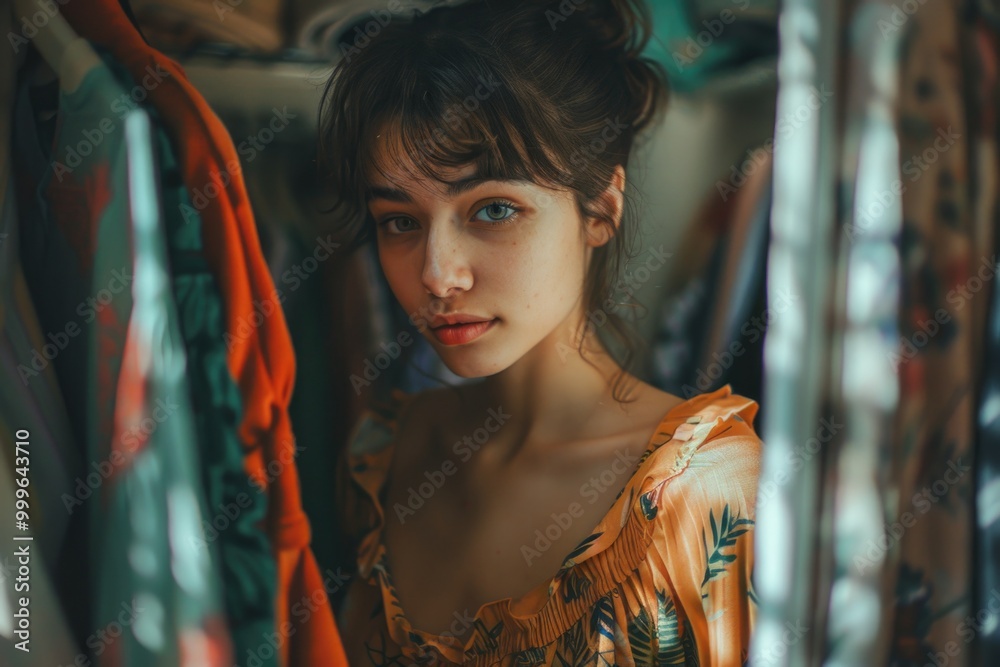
(456, 539)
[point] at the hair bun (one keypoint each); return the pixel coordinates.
(621, 27)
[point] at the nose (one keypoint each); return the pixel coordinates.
(446, 267)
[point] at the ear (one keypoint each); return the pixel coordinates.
(597, 231)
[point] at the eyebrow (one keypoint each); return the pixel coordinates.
(454, 189)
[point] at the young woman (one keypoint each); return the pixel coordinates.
(559, 511)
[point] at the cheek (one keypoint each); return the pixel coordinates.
(544, 273)
(403, 275)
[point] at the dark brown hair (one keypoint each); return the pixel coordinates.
(553, 92)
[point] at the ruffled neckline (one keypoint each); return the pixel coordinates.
(617, 540)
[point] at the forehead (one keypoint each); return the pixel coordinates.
(391, 170)
(407, 173)
(401, 165)
(404, 188)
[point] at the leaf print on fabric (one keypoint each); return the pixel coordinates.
(914, 616)
(602, 619)
(640, 639)
(646, 454)
(574, 647)
(669, 647)
(724, 535)
(690, 647)
(575, 585)
(750, 593)
(648, 506)
(530, 657)
(486, 638)
(580, 548)
(383, 576)
(379, 655)
(604, 626)
(661, 643)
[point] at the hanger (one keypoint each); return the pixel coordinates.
(68, 54)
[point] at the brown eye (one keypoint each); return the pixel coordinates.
(398, 225)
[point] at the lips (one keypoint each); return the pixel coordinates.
(462, 332)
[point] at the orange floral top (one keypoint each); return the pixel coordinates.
(663, 579)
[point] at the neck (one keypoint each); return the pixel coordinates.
(550, 392)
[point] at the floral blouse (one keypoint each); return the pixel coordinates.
(663, 579)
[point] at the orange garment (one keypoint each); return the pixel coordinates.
(260, 357)
(664, 578)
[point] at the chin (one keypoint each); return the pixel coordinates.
(470, 368)
(474, 361)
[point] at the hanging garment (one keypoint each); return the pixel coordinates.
(236, 506)
(36, 444)
(46, 640)
(739, 316)
(683, 319)
(796, 352)
(645, 587)
(144, 492)
(871, 539)
(36, 410)
(986, 194)
(987, 580)
(55, 221)
(326, 326)
(33, 400)
(259, 352)
(863, 391)
(942, 280)
(246, 561)
(149, 543)
(56, 244)
(325, 321)
(711, 328)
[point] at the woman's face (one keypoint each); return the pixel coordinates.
(510, 256)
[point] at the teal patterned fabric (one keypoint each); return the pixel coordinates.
(249, 575)
(235, 507)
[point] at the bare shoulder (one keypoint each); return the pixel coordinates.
(659, 399)
(649, 404)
